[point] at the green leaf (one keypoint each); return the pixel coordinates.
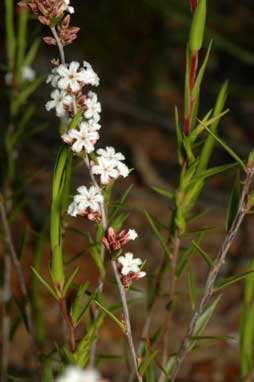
(115, 206)
(22, 38)
(21, 98)
(76, 305)
(226, 147)
(179, 136)
(111, 315)
(32, 52)
(160, 191)
(231, 280)
(157, 233)
(185, 257)
(201, 72)
(83, 350)
(217, 114)
(70, 281)
(75, 121)
(187, 84)
(44, 282)
(10, 33)
(143, 367)
(247, 324)
(202, 322)
(205, 255)
(233, 202)
(214, 171)
(118, 221)
(58, 186)
(198, 26)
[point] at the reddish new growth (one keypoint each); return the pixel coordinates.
(50, 13)
(193, 4)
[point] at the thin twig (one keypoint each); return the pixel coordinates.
(69, 324)
(118, 280)
(21, 281)
(59, 44)
(212, 276)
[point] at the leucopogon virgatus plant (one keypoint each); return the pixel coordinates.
(76, 105)
(80, 111)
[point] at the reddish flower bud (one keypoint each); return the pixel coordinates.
(43, 20)
(49, 40)
(23, 5)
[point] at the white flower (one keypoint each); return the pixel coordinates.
(93, 107)
(82, 139)
(27, 73)
(123, 169)
(89, 75)
(132, 234)
(59, 100)
(70, 76)
(110, 165)
(105, 169)
(75, 374)
(93, 125)
(129, 264)
(53, 78)
(67, 7)
(110, 154)
(88, 198)
(73, 209)
(8, 78)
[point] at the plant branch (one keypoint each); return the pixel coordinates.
(21, 280)
(212, 276)
(69, 324)
(59, 44)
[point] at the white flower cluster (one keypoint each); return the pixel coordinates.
(87, 198)
(109, 165)
(27, 74)
(75, 374)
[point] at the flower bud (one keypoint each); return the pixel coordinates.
(198, 27)
(49, 40)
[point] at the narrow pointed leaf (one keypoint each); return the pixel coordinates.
(205, 255)
(111, 315)
(157, 233)
(44, 282)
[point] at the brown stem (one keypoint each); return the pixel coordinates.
(69, 324)
(213, 273)
(21, 280)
